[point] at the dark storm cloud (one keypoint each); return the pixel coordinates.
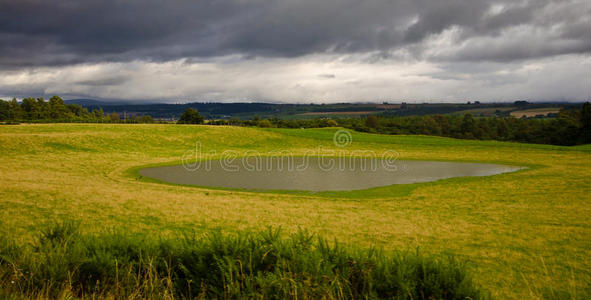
(40, 32)
(37, 33)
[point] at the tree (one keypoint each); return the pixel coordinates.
(98, 114)
(371, 122)
(430, 126)
(115, 117)
(191, 116)
(3, 110)
(564, 130)
(331, 123)
(78, 110)
(586, 122)
(14, 110)
(57, 108)
(482, 130)
(468, 126)
(30, 108)
(265, 124)
(522, 131)
(43, 108)
(144, 119)
(503, 132)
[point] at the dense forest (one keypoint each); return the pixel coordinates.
(570, 126)
(37, 110)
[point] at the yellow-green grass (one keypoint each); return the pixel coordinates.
(520, 231)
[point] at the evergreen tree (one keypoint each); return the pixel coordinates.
(58, 109)
(4, 107)
(43, 109)
(14, 110)
(30, 109)
(78, 110)
(586, 123)
(98, 114)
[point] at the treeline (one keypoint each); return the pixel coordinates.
(56, 110)
(569, 127)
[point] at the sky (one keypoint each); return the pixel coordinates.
(297, 51)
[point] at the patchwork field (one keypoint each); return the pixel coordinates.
(525, 234)
(528, 113)
(338, 113)
(488, 111)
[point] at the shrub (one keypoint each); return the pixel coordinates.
(371, 122)
(265, 124)
(247, 265)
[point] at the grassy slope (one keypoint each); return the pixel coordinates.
(521, 231)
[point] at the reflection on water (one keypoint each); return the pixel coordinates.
(316, 173)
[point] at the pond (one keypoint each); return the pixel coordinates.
(316, 173)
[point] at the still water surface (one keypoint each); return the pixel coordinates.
(316, 173)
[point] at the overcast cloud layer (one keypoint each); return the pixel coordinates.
(297, 51)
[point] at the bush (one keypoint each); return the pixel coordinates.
(256, 265)
(265, 124)
(371, 122)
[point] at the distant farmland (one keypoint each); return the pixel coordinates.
(528, 113)
(340, 113)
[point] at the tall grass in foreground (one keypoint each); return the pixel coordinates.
(63, 264)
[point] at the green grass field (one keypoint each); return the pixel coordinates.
(524, 235)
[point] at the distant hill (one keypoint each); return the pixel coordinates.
(244, 111)
(93, 102)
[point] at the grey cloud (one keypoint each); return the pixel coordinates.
(111, 81)
(61, 32)
(436, 16)
(297, 79)
(286, 50)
